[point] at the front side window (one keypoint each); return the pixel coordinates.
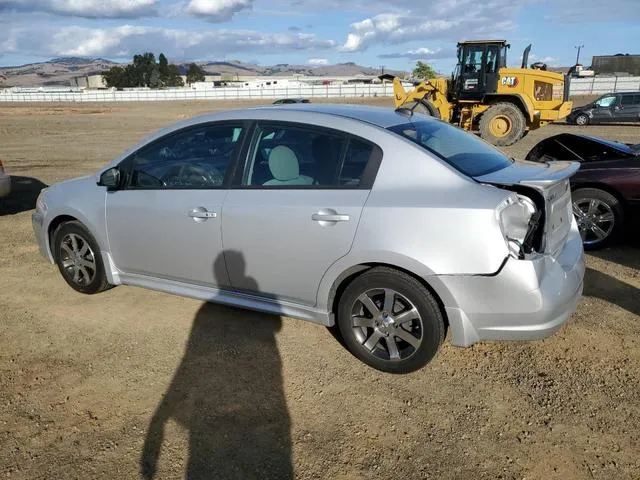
(305, 157)
(606, 101)
(473, 59)
(463, 151)
(194, 158)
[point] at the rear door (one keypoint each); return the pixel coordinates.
(295, 208)
(629, 108)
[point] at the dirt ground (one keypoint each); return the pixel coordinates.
(132, 381)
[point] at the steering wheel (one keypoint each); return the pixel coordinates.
(209, 178)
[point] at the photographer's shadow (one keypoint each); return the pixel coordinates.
(228, 393)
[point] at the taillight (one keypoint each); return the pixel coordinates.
(1, 167)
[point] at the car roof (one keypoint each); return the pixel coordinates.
(384, 117)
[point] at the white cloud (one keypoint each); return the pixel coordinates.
(84, 8)
(217, 10)
(447, 20)
(318, 61)
(127, 40)
(422, 53)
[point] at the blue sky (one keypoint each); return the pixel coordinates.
(393, 33)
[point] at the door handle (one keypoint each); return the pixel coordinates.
(329, 215)
(200, 214)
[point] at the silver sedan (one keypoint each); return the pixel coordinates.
(394, 227)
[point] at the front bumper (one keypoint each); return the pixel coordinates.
(526, 300)
(5, 186)
(37, 220)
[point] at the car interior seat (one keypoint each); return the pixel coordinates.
(285, 168)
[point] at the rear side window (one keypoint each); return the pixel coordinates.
(301, 156)
(463, 151)
(629, 100)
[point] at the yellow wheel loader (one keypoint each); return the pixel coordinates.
(485, 96)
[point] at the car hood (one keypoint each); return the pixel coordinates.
(535, 174)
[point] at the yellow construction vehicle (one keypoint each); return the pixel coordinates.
(485, 96)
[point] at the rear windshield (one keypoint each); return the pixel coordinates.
(463, 151)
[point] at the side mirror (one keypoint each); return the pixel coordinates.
(110, 178)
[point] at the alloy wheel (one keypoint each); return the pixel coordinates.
(387, 324)
(78, 259)
(595, 219)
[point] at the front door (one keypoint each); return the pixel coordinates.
(605, 109)
(296, 209)
(165, 221)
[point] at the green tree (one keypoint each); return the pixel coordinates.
(143, 68)
(195, 74)
(173, 77)
(113, 77)
(163, 68)
(423, 71)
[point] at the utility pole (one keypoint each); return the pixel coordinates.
(579, 47)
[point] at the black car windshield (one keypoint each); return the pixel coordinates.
(463, 151)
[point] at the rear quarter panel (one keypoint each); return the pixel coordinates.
(427, 218)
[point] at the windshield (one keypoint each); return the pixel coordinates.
(463, 151)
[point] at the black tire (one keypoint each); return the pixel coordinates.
(407, 293)
(582, 120)
(65, 235)
(424, 107)
(605, 203)
(506, 115)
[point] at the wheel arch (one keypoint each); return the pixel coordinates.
(51, 230)
(523, 104)
(440, 292)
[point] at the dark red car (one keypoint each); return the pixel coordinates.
(606, 189)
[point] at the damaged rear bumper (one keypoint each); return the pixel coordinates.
(525, 300)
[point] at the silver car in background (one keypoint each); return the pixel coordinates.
(394, 227)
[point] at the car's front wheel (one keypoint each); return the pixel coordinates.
(599, 215)
(582, 120)
(390, 321)
(78, 258)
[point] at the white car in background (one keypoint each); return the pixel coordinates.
(5, 182)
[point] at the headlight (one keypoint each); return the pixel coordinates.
(41, 206)
(514, 214)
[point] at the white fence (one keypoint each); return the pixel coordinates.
(314, 91)
(600, 85)
(579, 86)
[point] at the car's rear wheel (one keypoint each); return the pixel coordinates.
(582, 120)
(78, 258)
(599, 215)
(390, 321)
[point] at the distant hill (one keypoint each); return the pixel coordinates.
(59, 71)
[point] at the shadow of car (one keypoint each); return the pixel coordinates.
(606, 189)
(21, 194)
